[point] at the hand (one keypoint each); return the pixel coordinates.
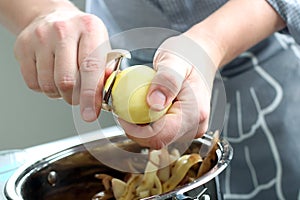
(52, 52)
(179, 83)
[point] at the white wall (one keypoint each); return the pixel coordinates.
(28, 118)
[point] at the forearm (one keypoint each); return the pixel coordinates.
(17, 14)
(234, 28)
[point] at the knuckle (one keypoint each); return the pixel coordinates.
(89, 22)
(88, 93)
(90, 65)
(48, 88)
(33, 85)
(66, 84)
(60, 28)
(40, 33)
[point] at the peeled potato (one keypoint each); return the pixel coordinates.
(129, 95)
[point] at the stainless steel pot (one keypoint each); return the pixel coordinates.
(70, 174)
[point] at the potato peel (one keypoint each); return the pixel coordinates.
(160, 176)
(182, 166)
(118, 187)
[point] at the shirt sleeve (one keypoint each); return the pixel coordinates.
(289, 10)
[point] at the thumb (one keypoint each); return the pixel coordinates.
(167, 83)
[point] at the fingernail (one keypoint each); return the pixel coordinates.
(157, 100)
(89, 114)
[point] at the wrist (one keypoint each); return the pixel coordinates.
(234, 28)
(197, 53)
(208, 42)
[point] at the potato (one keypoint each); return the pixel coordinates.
(129, 94)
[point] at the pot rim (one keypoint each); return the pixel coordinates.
(12, 189)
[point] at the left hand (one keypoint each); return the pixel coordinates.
(55, 48)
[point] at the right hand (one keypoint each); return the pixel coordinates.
(52, 52)
(183, 86)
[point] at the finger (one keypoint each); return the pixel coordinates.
(202, 128)
(29, 73)
(156, 135)
(91, 74)
(66, 69)
(26, 59)
(178, 122)
(45, 72)
(199, 91)
(167, 83)
(92, 66)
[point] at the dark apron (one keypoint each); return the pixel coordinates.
(263, 120)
